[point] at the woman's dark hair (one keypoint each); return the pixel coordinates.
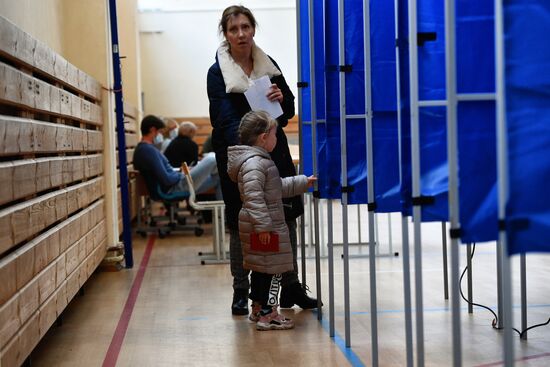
(254, 124)
(233, 11)
(149, 122)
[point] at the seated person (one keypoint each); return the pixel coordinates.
(159, 174)
(207, 145)
(164, 139)
(183, 148)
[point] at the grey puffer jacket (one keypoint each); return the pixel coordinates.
(262, 189)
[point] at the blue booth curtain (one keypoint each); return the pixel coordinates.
(331, 188)
(384, 106)
(319, 91)
(305, 92)
(404, 106)
(476, 129)
(355, 101)
(433, 125)
(527, 26)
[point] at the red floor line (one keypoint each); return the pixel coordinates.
(118, 337)
(500, 363)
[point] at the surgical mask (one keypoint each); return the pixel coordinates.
(173, 133)
(158, 139)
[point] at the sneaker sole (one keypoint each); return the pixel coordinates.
(273, 327)
(302, 307)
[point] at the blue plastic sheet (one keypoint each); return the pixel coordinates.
(432, 120)
(477, 171)
(434, 170)
(384, 106)
(356, 131)
(305, 92)
(476, 127)
(387, 190)
(355, 138)
(404, 106)
(319, 91)
(333, 150)
(527, 26)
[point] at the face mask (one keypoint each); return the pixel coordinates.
(173, 134)
(158, 139)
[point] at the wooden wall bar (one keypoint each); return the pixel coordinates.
(131, 128)
(52, 207)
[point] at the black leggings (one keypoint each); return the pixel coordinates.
(264, 288)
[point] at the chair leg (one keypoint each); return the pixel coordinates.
(218, 255)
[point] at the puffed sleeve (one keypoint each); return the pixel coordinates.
(293, 185)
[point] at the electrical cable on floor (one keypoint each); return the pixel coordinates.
(495, 320)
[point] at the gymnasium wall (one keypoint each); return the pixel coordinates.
(179, 42)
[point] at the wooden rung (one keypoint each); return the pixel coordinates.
(10, 321)
(44, 58)
(7, 274)
(8, 38)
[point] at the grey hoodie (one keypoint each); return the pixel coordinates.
(262, 189)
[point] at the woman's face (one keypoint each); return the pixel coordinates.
(240, 33)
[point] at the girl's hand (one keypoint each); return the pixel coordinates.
(264, 237)
(275, 94)
(311, 180)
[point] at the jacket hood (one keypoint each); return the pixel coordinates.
(236, 81)
(238, 154)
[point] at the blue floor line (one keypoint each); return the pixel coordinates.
(350, 355)
(354, 359)
(442, 309)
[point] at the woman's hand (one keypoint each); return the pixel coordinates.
(311, 180)
(275, 94)
(264, 237)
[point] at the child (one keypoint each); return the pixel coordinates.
(262, 190)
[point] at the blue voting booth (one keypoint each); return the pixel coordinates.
(527, 60)
(420, 130)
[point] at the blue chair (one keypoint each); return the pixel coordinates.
(162, 225)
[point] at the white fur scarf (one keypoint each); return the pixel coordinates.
(236, 81)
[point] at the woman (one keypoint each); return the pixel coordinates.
(239, 61)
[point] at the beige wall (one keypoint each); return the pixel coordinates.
(26, 13)
(85, 36)
(179, 40)
(129, 48)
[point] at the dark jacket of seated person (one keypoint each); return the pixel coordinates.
(183, 148)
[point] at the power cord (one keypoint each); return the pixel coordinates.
(494, 323)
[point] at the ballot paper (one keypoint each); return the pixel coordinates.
(256, 95)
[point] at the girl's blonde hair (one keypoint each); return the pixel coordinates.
(254, 124)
